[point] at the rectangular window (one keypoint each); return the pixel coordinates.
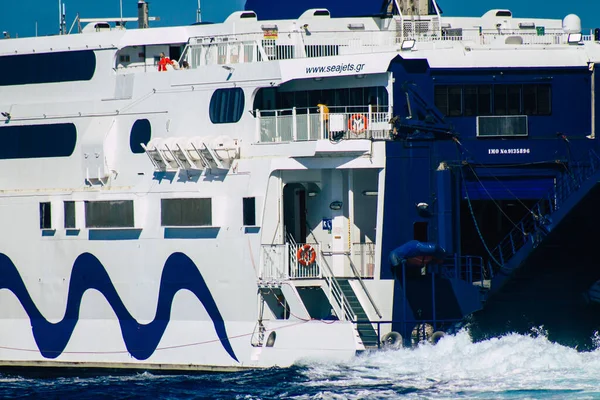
(455, 101)
(441, 99)
(249, 205)
(45, 216)
(449, 99)
(500, 96)
(513, 97)
(544, 100)
(69, 214)
(186, 212)
(471, 100)
(109, 214)
(484, 100)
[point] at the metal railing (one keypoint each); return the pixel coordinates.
(362, 285)
(342, 305)
(280, 263)
(340, 123)
(536, 224)
(363, 255)
(467, 268)
(255, 47)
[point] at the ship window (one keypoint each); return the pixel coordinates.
(63, 66)
(537, 99)
(448, 99)
(37, 141)
(69, 214)
(45, 216)
(186, 212)
(226, 105)
(481, 100)
(249, 206)
(478, 100)
(109, 214)
(141, 131)
(342, 100)
(441, 98)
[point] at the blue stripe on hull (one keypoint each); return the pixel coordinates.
(141, 340)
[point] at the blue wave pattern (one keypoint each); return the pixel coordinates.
(141, 340)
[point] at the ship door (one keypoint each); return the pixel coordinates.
(294, 211)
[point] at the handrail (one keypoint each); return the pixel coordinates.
(336, 289)
(362, 284)
(534, 226)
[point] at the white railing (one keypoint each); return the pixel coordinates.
(363, 257)
(273, 263)
(254, 47)
(297, 269)
(280, 262)
(301, 124)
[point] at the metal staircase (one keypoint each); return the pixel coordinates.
(367, 334)
(545, 216)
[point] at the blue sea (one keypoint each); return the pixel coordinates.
(510, 367)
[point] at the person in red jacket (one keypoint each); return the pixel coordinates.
(162, 63)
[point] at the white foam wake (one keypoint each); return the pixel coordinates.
(513, 366)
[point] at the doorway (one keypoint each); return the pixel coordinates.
(294, 212)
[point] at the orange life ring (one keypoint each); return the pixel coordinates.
(306, 255)
(357, 123)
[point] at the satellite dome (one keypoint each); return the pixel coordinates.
(572, 24)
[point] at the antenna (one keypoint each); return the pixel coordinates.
(59, 17)
(121, 11)
(198, 13)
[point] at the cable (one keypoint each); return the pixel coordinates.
(475, 222)
(492, 199)
(493, 176)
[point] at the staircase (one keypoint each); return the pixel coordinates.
(367, 334)
(570, 189)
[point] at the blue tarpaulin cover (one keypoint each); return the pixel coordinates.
(417, 253)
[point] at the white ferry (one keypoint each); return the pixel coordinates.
(272, 191)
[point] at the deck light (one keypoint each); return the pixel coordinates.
(369, 193)
(408, 44)
(574, 38)
(335, 205)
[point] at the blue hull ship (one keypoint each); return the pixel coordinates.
(496, 164)
(301, 181)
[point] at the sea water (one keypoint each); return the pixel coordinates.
(510, 367)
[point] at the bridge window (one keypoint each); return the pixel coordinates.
(141, 131)
(37, 141)
(481, 100)
(109, 214)
(226, 106)
(537, 99)
(478, 100)
(448, 99)
(186, 212)
(61, 66)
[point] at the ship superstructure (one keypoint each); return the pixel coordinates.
(239, 209)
